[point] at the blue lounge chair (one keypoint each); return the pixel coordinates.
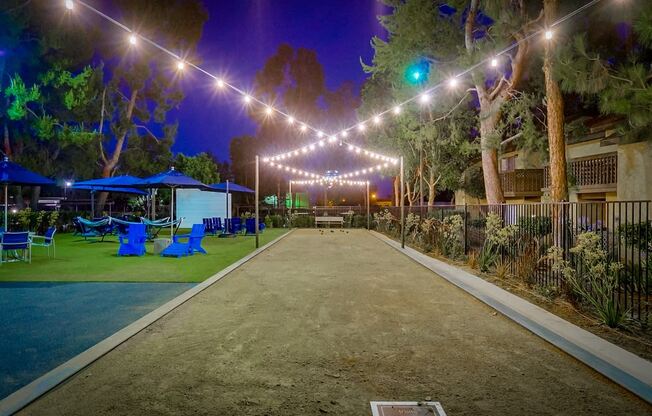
(46, 240)
(210, 225)
(133, 244)
(179, 249)
(14, 242)
(217, 223)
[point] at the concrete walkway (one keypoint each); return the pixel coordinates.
(324, 323)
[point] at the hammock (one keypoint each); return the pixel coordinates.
(99, 228)
(154, 227)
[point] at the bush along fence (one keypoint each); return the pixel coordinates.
(595, 253)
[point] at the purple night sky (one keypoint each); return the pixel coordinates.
(239, 37)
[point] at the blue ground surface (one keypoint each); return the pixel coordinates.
(44, 324)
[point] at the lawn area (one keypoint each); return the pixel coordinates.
(83, 261)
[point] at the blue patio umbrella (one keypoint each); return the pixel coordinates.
(231, 187)
(172, 179)
(123, 182)
(13, 174)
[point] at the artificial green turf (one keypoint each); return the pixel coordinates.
(82, 261)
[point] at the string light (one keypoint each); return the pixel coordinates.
(220, 83)
(397, 109)
(344, 133)
(453, 82)
(377, 119)
(133, 40)
(290, 120)
(320, 134)
(268, 111)
(247, 99)
(424, 97)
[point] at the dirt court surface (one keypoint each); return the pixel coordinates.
(323, 323)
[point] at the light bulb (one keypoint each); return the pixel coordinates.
(548, 34)
(133, 40)
(344, 133)
(70, 4)
(361, 127)
(494, 62)
(304, 127)
(377, 119)
(397, 110)
(452, 82)
(181, 65)
(268, 111)
(290, 120)
(220, 83)
(424, 98)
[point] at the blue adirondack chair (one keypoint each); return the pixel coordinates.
(133, 243)
(14, 242)
(250, 226)
(180, 249)
(46, 240)
(217, 224)
(236, 225)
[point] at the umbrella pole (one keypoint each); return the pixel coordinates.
(6, 206)
(92, 205)
(226, 214)
(172, 214)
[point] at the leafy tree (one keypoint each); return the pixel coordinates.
(201, 167)
(611, 66)
(424, 31)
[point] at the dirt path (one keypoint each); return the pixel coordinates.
(325, 323)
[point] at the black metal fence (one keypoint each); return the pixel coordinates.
(624, 229)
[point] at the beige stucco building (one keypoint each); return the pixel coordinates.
(601, 167)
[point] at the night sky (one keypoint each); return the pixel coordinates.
(239, 37)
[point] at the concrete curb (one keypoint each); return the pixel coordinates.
(629, 370)
(27, 394)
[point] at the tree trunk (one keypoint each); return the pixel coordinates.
(488, 121)
(111, 163)
(397, 191)
(36, 194)
(555, 110)
(6, 144)
(432, 190)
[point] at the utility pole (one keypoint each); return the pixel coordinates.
(256, 189)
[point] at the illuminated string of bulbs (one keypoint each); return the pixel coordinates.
(181, 64)
(329, 182)
(454, 81)
(311, 147)
(424, 97)
(291, 169)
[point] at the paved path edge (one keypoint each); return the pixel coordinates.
(32, 391)
(619, 365)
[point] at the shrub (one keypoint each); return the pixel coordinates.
(502, 268)
(384, 220)
(537, 226)
(450, 233)
(302, 221)
(601, 277)
(359, 221)
(268, 221)
(636, 234)
(472, 260)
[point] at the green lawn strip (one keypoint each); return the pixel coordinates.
(83, 261)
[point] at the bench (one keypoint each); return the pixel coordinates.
(329, 221)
